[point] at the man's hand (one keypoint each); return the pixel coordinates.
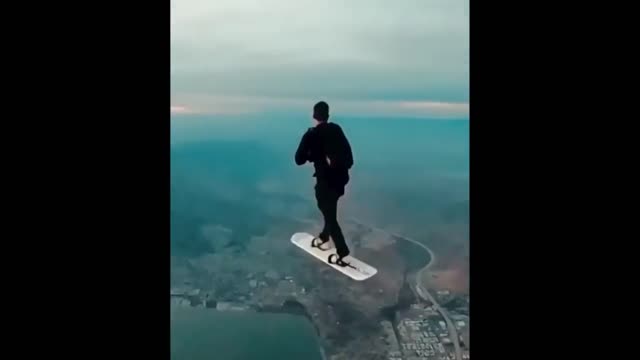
(328, 161)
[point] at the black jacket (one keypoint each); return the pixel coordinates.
(320, 142)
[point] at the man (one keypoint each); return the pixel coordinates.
(326, 146)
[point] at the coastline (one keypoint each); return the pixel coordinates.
(250, 315)
(289, 307)
(294, 307)
(299, 303)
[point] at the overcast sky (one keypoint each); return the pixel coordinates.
(362, 56)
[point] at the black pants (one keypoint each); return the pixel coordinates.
(327, 198)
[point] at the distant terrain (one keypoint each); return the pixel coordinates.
(236, 200)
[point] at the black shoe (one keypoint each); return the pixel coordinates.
(335, 259)
(318, 241)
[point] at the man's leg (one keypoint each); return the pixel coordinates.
(322, 201)
(331, 218)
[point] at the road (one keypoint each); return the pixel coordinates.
(452, 329)
(423, 292)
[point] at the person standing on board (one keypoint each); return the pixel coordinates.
(326, 146)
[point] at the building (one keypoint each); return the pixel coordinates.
(395, 353)
(180, 301)
(229, 306)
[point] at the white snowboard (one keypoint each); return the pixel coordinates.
(361, 272)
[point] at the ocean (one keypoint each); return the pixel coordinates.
(200, 333)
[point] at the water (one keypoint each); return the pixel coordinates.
(199, 333)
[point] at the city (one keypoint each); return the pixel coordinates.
(417, 332)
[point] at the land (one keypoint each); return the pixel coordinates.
(396, 315)
(232, 201)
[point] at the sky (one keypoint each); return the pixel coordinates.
(364, 57)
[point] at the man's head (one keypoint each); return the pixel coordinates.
(321, 112)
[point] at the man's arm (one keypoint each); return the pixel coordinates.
(348, 155)
(302, 154)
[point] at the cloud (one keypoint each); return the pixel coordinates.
(283, 50)
(238, 105)
(177, 109)
(435, 108)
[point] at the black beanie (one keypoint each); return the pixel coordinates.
(321, 111)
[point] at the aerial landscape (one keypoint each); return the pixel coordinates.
(235, 205)
(245, 76)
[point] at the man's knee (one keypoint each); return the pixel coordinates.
(321, 199)
(322, 205)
